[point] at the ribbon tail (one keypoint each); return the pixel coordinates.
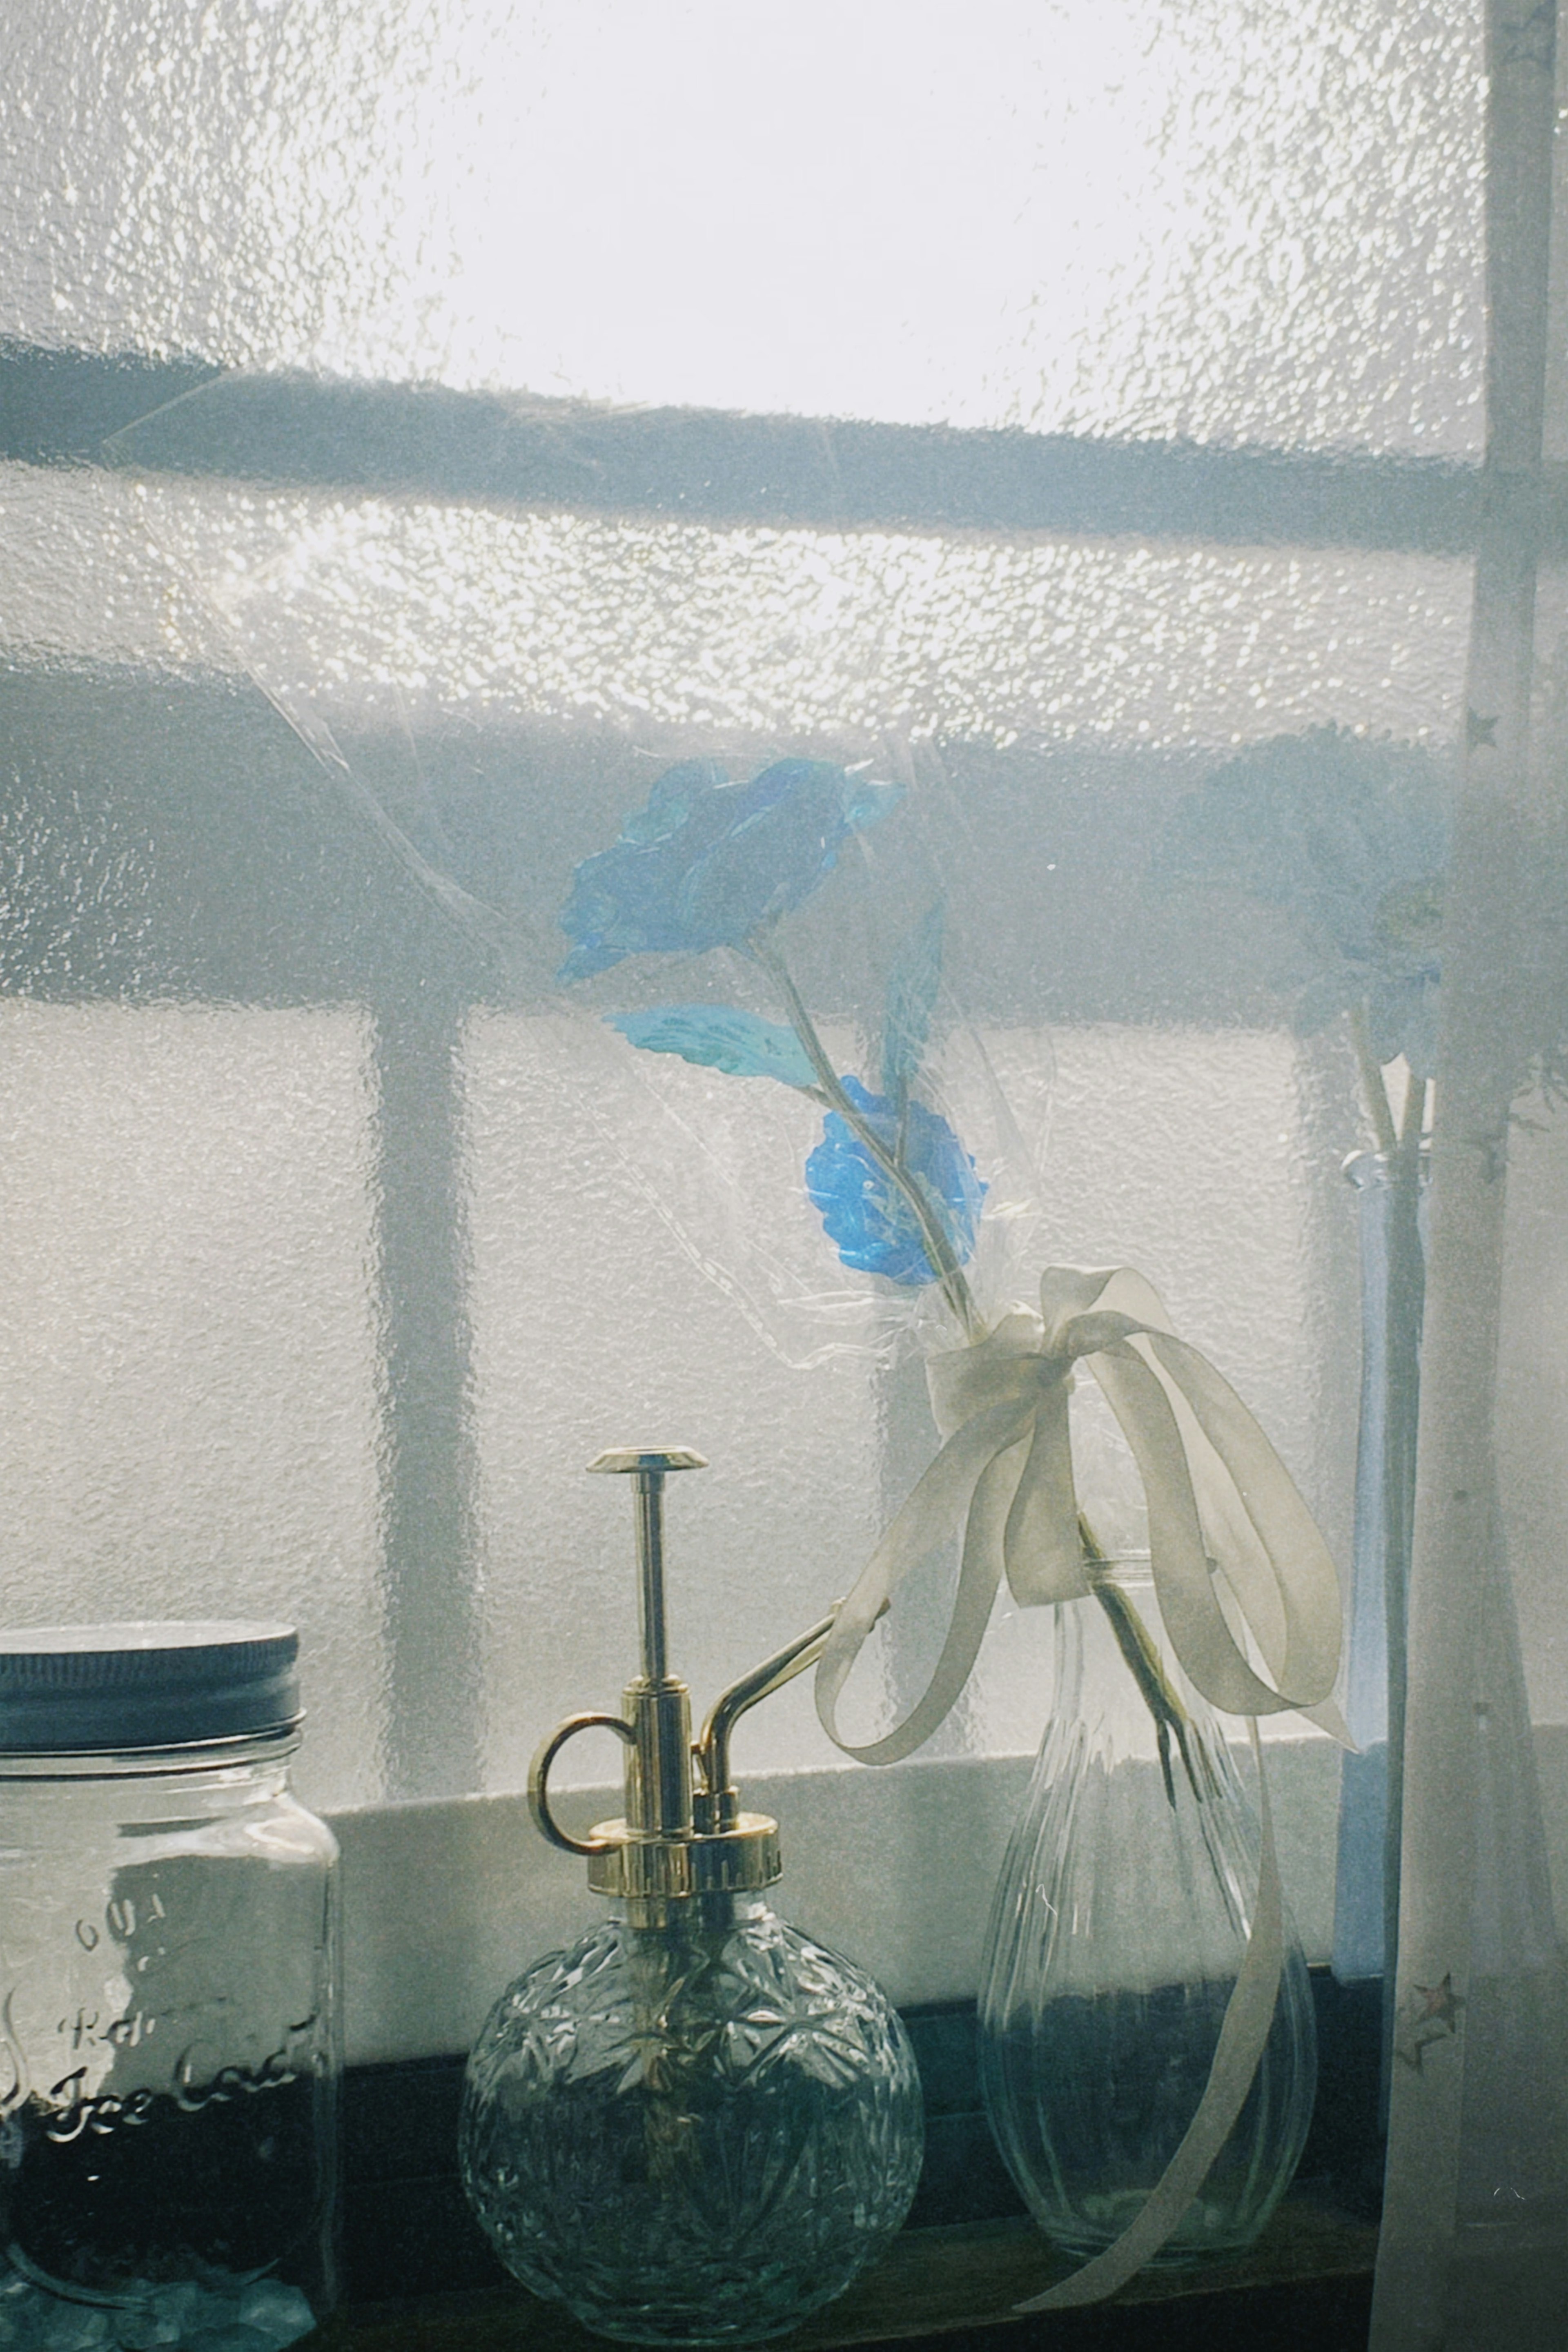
(1206, 1646)
(979, 1576)
(1244, 2031)
(1327, 1716)
(972, 1481)
(1304, 1604)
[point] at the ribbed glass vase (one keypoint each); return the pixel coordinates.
(1116, 1935)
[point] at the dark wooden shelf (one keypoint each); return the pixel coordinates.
(1314, 2264)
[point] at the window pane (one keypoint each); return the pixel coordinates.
(1253, 223)
(1208, 1158)
(186, 1346)
(389, 1231)
(544, 1243)
(370, 609)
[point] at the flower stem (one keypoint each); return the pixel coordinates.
(938, 1250)
(1373, 1090)
(1141, 1655)
(1413, 1118)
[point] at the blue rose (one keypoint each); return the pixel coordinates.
(863, 1211)
(708, 862)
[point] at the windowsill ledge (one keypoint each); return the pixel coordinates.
(949, 2282)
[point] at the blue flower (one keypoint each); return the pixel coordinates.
(1348, 838)
(866, 1214)
(707, 862)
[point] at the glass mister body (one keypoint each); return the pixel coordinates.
(696, 2126)
(169, 2054)
(1115, 1938)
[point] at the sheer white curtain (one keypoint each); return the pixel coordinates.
(1474, 2249)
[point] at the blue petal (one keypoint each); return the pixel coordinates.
(867, 803)
(584, 962)
(720, 1037)
(673, 796)
(866, 1214)
(705, 862)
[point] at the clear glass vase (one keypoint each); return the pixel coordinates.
(1390, 1203)
(1116, 1935)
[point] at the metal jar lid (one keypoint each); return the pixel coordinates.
(76, 1689)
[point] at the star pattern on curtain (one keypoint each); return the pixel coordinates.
(1429, 2014)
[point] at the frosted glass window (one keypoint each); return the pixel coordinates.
(187, 1351)
(1254, 223)
(349, 1237)
(1037, 405)
(592, 1321)
(381, 613)
(378, 614)
(541, 1239)
(81, 579)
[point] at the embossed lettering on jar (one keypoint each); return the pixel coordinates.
(168, 2028)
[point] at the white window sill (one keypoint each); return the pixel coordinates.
(446, 1902)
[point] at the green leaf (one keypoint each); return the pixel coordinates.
(912, 999)
(720, 1037)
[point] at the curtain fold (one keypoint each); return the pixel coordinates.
(1474, 2248)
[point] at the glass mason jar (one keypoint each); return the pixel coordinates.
(692, 2132)
(168, 1994)
(1116, 1936)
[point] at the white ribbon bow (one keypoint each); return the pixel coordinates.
(1219, 1499)
(1219, 1496)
